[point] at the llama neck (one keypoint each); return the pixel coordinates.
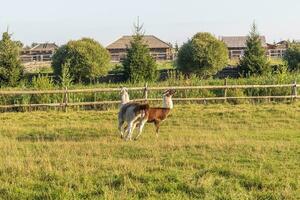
(167, 102)
(125, 98)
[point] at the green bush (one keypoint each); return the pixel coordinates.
(86, 57)
(204, 55)
(66, 79)
(235, 93)
(292, 57)
(42, 83)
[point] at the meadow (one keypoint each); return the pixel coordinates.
(214, 151)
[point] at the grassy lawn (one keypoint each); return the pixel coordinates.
(165, 65)
(203, 152)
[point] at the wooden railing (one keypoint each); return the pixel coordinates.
(66, 92)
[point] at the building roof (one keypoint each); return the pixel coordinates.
(150, 40)
(281, 44)
(44, 47)
(239, 41)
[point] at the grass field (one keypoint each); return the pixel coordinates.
(203, 152)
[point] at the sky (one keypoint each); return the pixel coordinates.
(171, 20)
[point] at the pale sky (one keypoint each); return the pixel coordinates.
(171, 20)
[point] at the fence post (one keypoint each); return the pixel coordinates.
(225, 90)
(95, 99)
(294, 91)
(146, 92)
(65, 100)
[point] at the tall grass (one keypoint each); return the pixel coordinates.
(44, 83)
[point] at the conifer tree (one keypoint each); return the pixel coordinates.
(254, 61)
(10, 64)
(139, 65)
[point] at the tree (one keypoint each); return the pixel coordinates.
(11, 68)
(66, 78)
(86, 59)
(203, 55)
(139, 65)
(176, 48)
(19, 44)
(254, 61)
(292, 56)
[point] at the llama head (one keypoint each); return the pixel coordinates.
(169, 93)
(123, 90)
(167, 98)
(124, 94)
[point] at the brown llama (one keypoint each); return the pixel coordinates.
(157, 115)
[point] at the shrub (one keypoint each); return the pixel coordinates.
(204, 55)
(66, 79)
(292, 57)
(42, 83)
(235, 93)
(86, 57)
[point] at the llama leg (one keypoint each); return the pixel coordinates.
(133, 127)
(120, 128)
(130, 130)
(136, 123)
(141, 126)
(157, 124)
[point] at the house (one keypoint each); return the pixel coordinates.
(277, 50)
(160, 50)
(40, 52)
(237, 44)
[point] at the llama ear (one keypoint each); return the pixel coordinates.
(166, 92)
(170, 92)
(122, 89)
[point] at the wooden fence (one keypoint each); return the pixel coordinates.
(65, 94)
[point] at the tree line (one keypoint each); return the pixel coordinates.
(86, 59)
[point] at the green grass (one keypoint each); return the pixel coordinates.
(276, 61)
(166, 65)
(203, 152)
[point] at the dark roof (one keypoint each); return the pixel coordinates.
(44, 47)
(281, 44)
(150, 40)
(239, 41)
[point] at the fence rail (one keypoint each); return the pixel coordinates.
(95, 90)
(65, 94)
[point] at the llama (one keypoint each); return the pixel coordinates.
(131, 112)
(124, 96)
(158, 115)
